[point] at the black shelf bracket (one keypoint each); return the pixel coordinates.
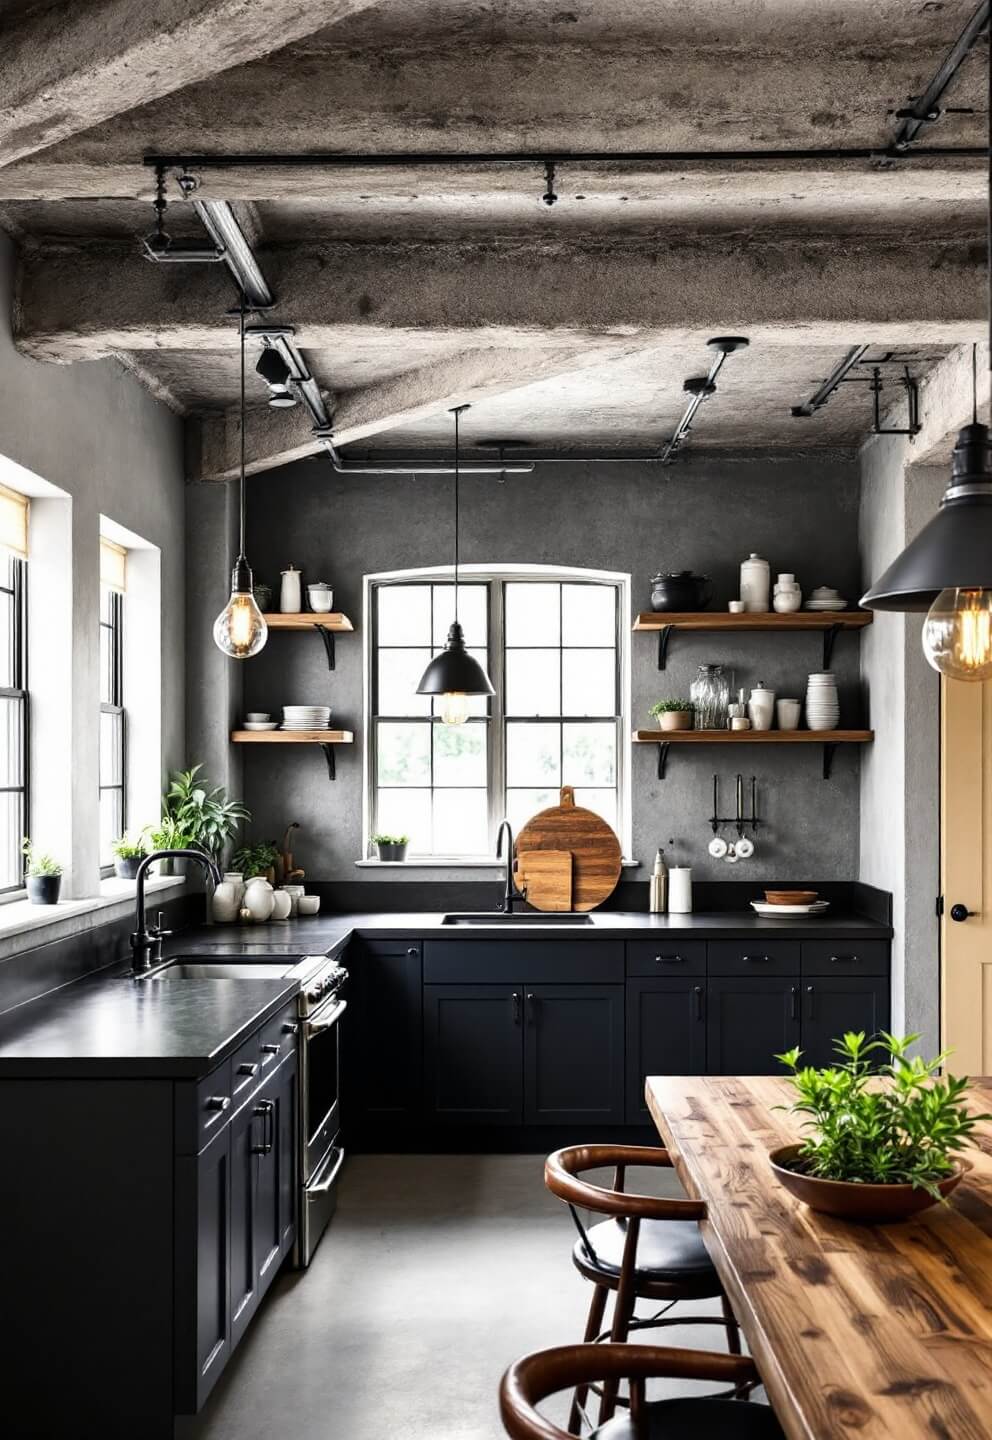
(664, 635)
(331, 765)
(829, 639)
(328, 638)
(828, 760)
(663, 749)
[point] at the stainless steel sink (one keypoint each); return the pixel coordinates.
(224, 970)
(532, 917)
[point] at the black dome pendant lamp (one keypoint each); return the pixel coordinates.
(455, 674)
(947, 569)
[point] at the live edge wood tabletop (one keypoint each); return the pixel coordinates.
(877, 1332)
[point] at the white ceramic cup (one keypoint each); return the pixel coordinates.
(321, 598)
(256, 717)
(308, 904)
(736, 607)
(788, 713)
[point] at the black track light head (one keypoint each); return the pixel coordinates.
(277, 375)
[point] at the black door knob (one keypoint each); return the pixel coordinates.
(960, 912)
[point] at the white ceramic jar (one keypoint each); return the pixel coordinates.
(761, 707)
(290, 594)
(321, 597)
(680, 890)
(235, 878)
(259, 899)
(755, 581)
(282, 904)
(226, 902)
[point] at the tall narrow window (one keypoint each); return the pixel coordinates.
(551, 645)
(14, 708)
(113, 721)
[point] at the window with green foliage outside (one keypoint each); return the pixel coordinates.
(552, 650)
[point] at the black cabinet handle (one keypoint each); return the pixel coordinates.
(531, 1005)
(697, 991)
(413, 950)
(843, 959)
(753, 959)
(218, 1102)
(290, 1028)
(810, 1006)
(247, 1068)
(794, 1005)
(668, 959)
(265, 1110)
(515, 1000)
(269, 1049)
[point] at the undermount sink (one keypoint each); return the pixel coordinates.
(223, 970)
(532, 917)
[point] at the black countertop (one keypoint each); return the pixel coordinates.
(111, 1026)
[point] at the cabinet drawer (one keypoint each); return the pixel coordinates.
(663, 957)
(263, 1051)
(845, 957)
(755, 956)
(391, 949)
(509, 962)
(203, 1107)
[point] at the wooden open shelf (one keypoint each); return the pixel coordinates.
(326, 739)
(829, 739)
(307, 619)
(827, 622)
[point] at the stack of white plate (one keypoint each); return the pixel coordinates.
(306, 717)
(761, 907)
(825, 597)
(822, 704)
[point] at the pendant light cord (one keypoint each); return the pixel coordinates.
(241, 552)
(456, 411)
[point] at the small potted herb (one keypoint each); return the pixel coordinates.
(884, 1135)
(170, 834)
(391, 847)
(128, 852)
(43, 875)
(256, 861)
(674, 714)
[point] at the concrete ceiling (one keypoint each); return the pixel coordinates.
(415, 286)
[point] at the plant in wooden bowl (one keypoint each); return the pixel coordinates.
(884, 1133)
(674, 714)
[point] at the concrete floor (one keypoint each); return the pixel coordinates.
(436, 1272)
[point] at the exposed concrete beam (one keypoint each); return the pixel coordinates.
(68, 67)
(80, 305)
(275, 437)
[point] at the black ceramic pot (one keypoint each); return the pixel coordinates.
(391, 852)
(44, 889)
(684, 591)
(126, 866)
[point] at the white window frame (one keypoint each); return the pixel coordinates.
(554, 574)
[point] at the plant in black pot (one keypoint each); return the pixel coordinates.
(128, 852)
(391, 847)
(42, 875)
(885, 1131)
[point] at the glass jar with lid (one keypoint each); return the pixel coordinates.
(710, 695)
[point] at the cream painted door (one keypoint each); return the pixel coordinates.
(966, 875)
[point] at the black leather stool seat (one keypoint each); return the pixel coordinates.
(667, 1250)
(687, 1419)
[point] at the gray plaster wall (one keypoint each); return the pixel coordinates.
(800, 512)
(900, 774)
(93, 431)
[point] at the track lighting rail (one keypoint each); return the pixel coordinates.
(841, 375)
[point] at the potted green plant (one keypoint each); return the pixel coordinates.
(42, 875)
(674, 714)
(128, 852)
(251, 861)
(883, 1137)
(169, 834)
(391, 847)
(201, 812)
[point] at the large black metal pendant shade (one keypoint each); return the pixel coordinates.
(954, 550)
(455, 671)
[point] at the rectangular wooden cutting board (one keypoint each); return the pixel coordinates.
(547, 875)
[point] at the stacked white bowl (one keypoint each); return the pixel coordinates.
(822, 704)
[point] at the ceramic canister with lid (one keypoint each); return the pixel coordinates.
(761, 707)
(290, 593)
(755, 581)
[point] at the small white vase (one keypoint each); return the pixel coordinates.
(259, 899)
(281, 905)
(226, 902)
(755, 579)
(787, 600)
(761, 708)
(235, 878)
(290, 595)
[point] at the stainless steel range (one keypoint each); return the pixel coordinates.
(321, 1006)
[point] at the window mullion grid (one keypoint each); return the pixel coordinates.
(496, 759)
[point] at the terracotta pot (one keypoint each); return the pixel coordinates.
(676, 720)
(852, 1200)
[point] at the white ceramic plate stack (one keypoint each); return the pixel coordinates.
(825, 597)
(306, 717)
(761, 907)
(822, 704)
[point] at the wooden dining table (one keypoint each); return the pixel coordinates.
(867, 1332)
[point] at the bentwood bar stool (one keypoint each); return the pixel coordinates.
(649, 1249)
(532, 1379)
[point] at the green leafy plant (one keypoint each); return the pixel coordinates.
(201, 812)
(170, 834)
(903, 1131)
(665, 707)
(130, 847)
(251, 860)
(37, 862)
(390, 839)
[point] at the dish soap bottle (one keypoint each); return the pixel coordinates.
(658, 902)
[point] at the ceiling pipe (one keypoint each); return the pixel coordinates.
(824, 391)
(700, 388)
(925, 109)
(222, 226)
(432, 468)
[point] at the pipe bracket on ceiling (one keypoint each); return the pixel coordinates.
(700, 388)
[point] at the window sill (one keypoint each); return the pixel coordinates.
(435, 862)
(76, 917)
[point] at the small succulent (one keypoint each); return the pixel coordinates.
(390, 839)
(130, 847)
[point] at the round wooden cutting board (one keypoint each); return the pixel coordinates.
(594, 847)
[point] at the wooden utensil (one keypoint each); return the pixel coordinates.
(547, 877)
(594, 847)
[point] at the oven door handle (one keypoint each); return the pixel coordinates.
(317, 1027)
(322, 1186)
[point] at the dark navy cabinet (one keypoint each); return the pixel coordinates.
(832, 1004)
(384, 1060)
(749, 1020)
(573, 1054)
(472, 1053)
(666, 1034)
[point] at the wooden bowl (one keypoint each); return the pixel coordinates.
(790, 897)
(851, 1200)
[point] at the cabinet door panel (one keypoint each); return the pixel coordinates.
(387, 1063)
(573, 1054)
(833, 1005)
(474, 1059)
(666, 1035)
(750, 1021)
(246, 1129)
(213, 1264)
